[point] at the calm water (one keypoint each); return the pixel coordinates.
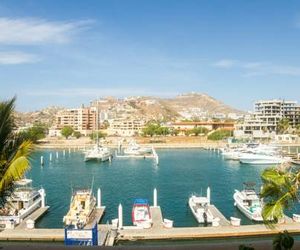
(180, 173)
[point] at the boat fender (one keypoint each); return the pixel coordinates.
(234, 204)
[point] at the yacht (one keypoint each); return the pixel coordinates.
(82, 205)
(262, 159)
(141, 215)
(248, 202)
(23, 201)
(135, 149)
(199, 206)
(98, 153)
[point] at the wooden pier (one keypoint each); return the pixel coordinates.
(34, 216)
(95, 218)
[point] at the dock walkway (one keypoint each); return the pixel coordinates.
(95, 217)
(34, 216)
(217, 213)
(157, 218)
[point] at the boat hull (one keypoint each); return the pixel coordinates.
(199, 218)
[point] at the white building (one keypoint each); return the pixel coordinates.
(267, 113)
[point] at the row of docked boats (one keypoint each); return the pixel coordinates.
(102, 153)
(256, 154)
(246, 200)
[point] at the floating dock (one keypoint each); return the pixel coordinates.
(34, 216)
(149, 156)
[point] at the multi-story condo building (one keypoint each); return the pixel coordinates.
(126, 127)
(270, 112)
(267, 114)
(81, 119)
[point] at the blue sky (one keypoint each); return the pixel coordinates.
(69, 52)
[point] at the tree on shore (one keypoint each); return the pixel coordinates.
(77, 134)
(14, 151)
(283, 125)
(219, 135)
(36, 132)
(93, 135)
(67, 131)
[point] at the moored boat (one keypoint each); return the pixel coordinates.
(135, 149)
(141, 215)
(22, 202)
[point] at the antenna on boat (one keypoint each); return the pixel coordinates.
(92, 184)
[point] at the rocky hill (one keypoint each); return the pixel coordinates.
(185, 106)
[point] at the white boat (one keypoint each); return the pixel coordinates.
(248, 202)
(98, 153)
(262, 159)
(135, 149)
(23, 201)
(141, 215)
(82, 205)
(199, 206)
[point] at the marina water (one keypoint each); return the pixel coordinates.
(180, 173)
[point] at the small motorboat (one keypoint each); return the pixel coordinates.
(141, 215)
(248, 202)
(135, 149)
(199, 206)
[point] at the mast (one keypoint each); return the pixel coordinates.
(97, 123)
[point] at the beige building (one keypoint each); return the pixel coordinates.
(81, 119)
(126, 127)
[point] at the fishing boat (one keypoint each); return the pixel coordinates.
(199, 206)
(82, 205)
(22, 202)
(135, 149)
(141, 215)
(248, 202)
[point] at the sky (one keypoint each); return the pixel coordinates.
(66, 53)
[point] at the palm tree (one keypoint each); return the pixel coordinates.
(279, 191)
(283, 125)
(14, 151)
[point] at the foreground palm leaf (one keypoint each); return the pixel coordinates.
(14, 151)
(279, 191)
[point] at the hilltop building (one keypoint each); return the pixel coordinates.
(267, 113)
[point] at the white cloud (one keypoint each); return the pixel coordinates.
(35, 31)
(225, 63)
(258, 68)
(16, 57)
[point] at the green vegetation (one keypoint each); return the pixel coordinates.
(283, 125)
(67, 131)
(155, 129)
(279, 191)
(36, 132)
(14, 151)
(283, 241)
(77, 134)
(197, 131)
(93, 135)
(219, 135)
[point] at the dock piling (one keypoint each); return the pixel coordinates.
(155, 197)
(50, 157)
(99, 198)
(208, 194)
(42, 160)
(120, 216)
(56, 155)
